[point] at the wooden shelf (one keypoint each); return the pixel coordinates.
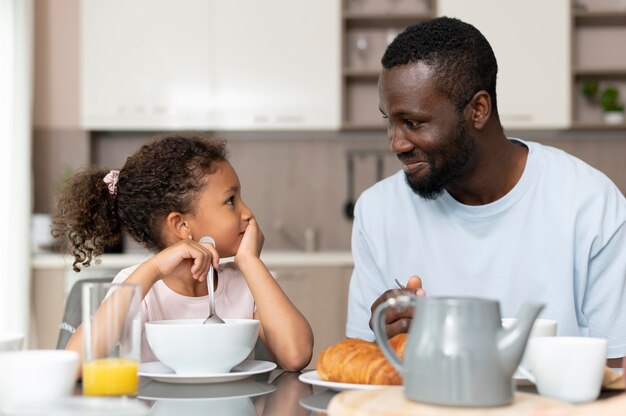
(600, 18)
(366, 74)
(598, 126)
(600, 73)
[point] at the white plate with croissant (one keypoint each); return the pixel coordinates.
(355, 364)
(313, 378)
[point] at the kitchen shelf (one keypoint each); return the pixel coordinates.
(361, 73)
(600, 73)
(598, 37)
(384, 20)
(598, 126)
(367, 28)
(599, 18)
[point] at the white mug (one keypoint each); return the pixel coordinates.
(33, 376)
(567, 368)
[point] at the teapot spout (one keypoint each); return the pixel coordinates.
(512, 341)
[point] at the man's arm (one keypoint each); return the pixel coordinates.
(603, 306)
(614, 362)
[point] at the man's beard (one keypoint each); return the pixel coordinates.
(455, 155)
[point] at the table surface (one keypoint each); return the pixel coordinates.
(273, 394)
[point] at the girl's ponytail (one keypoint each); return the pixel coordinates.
(87, 214)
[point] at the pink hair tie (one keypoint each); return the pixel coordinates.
(111, 179)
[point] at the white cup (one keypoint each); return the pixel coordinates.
(567, 368)
(30, 376)
(541, 328)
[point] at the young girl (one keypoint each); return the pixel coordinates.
(167, 196)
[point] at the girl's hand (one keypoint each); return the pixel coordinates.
(251, 243)
(187, 257)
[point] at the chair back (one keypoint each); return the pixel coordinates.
(72, 317)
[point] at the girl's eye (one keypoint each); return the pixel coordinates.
(231, 201)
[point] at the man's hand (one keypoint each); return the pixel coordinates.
(398, 319)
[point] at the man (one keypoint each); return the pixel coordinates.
(474, 213)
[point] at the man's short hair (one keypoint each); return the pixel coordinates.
(462, 58)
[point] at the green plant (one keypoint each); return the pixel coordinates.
(608, 98)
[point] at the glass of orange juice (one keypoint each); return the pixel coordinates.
(111, 338)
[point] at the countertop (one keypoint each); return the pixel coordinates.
(271, 259)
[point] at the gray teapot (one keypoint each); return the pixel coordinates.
(457, 352)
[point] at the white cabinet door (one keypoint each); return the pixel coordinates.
(531, 41)
(210, 64)
(146, 64)
(277, 64)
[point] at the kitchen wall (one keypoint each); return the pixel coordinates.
(296, 178)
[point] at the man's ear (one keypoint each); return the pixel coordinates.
(176, 227)
(478, 110)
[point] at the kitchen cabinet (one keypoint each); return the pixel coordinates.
(209, 64)
(321, 294)
(47, 305)
(531, 41)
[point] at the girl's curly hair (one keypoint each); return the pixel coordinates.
(162, 177)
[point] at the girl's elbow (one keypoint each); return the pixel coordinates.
(296, 360)
(296, 364)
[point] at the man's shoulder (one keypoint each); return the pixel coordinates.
(394, 185)
(565, 168)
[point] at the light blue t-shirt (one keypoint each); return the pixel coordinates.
(558, 237)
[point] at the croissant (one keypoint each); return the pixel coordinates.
(360, 362)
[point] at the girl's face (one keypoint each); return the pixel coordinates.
(220, 211)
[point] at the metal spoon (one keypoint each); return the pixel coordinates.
(212, 318)
(400, 284)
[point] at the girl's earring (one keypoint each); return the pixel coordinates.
(191, 238)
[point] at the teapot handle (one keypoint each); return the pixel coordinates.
(379, 327)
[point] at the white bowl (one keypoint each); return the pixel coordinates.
(36, 376)
(11, 341)
(191, 348)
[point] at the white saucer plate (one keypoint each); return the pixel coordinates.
(318, 402)
(314, 379)
(160, 372)
(214, 391)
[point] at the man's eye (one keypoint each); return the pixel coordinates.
(411, 124)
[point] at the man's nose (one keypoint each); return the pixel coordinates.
(398, 142)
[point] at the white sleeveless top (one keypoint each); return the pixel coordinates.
(233, 299)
